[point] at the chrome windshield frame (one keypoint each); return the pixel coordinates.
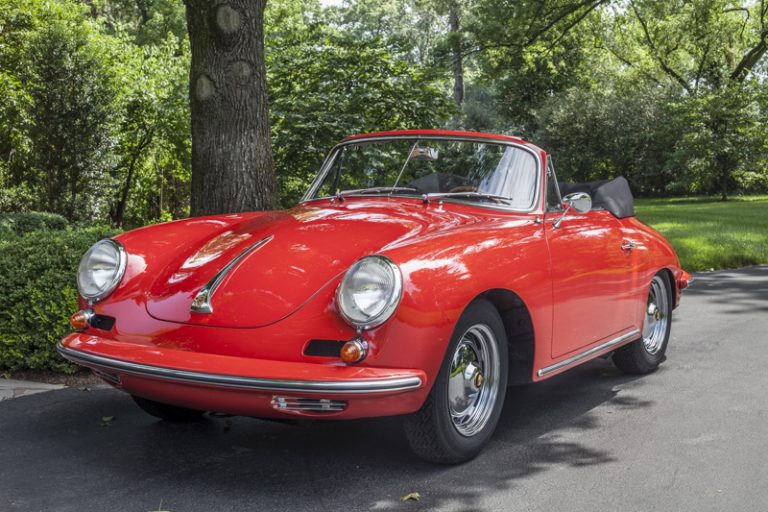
(328, 162)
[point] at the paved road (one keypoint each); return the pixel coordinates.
(693, 436)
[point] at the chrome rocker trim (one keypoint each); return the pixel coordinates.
(594, 351)
(233, 381)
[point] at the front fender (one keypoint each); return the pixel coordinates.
(443, 274)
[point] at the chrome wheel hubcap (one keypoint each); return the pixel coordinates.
(473, 383)
(655, 326)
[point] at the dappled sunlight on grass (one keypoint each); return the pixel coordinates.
(711, 234)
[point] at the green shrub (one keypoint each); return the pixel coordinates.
(21, 223)
(39, 294)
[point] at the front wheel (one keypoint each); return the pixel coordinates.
(646, 354)
(166, 411)
(463, 408)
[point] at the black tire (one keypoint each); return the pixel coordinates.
(430, 431)
(165, 411)
(635, 358)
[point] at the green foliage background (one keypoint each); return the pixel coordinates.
(95, 119)
(94, 122)
(38, 258)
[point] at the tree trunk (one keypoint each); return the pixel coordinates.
(231, 153)
(724, 163)
(457, 59)
(118, 211)
(725, 175)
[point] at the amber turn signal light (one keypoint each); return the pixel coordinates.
(80, 320)
(354, 351)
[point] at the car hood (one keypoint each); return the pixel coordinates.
(299, 251)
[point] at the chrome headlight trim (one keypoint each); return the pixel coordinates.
(122, 260)
(391, 303)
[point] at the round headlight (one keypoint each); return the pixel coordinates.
(101, 269)
(370, 292)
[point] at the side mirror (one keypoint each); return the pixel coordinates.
(579, 201)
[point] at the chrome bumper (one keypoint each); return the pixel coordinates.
(232, 381)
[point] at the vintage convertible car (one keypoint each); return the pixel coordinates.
(422, 274)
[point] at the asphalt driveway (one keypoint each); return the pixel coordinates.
(693, 436)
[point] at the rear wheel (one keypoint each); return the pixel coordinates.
(166, 411)
(644, 355)
(463, 408)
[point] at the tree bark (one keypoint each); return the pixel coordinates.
(117, 212)
(457, 58)
(724, 172)
(231, 154)
(725, 165)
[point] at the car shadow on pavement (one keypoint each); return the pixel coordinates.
(101, 439)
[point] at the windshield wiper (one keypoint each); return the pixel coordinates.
(372, 190)
(478, 195)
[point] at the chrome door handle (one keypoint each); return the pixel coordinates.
(628, 245)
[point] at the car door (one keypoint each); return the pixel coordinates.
(591, 281)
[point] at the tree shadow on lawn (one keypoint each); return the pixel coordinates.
(671, 202)
(327, 466)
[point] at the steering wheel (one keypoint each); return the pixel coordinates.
(463, 188)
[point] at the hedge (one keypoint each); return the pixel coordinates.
(22, 223)
(37, 271)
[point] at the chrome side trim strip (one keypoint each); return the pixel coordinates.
(594, 351)
(202, 301)
(233, 381)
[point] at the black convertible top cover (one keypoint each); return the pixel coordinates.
(612, 195)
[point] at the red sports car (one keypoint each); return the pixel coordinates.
(422, 274)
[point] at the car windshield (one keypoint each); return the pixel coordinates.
(448, 168)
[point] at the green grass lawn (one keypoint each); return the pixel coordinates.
(711, 234)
